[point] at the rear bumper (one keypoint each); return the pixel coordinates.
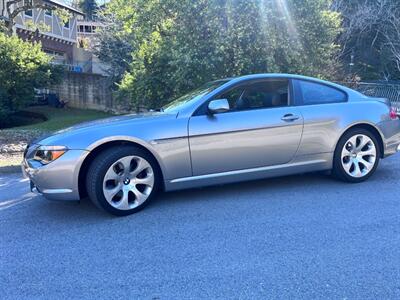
(391, 136)
(392, 149)
(57, 180)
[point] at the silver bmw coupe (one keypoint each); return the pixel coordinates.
(230, 130)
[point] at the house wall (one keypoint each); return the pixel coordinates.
(87, 91)
(89, 62)
(59, 38)
(56, 26)
(50, 44)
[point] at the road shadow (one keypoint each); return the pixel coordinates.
(277, 186)
(241, 189)
(10, 170)
(85, 212)
(270, 189)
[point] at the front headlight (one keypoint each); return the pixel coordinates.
(47, 154)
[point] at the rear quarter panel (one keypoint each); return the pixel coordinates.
(324, 124)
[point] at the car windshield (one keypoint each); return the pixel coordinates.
(192, 96)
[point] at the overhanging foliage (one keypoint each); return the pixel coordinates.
(175, 45)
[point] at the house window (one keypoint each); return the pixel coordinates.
(54, 53)
(48, 12)
(66, 24)
(29, 12)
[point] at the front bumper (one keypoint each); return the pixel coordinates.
(57, 180)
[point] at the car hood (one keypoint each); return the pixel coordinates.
(131, 118)
(104, 125)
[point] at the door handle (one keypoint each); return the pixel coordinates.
(290, 118)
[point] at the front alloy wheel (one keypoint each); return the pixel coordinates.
(128, 182)
(122, 180)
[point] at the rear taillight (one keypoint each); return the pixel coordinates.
(394, 115)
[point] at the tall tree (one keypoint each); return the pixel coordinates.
(178, 44)
(90, 8)
(371, 37)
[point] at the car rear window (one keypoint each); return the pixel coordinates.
(315, 93)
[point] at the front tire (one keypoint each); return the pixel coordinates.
(122, 180)
(356, 156)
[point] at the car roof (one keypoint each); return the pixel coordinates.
(237, 79)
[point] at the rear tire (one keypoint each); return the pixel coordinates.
(356, 156)
(123, 180)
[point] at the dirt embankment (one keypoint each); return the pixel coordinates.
(12, 146)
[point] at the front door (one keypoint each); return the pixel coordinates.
(260, 129)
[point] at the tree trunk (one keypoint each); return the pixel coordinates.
(10, 28)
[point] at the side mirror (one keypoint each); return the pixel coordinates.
(218, 106)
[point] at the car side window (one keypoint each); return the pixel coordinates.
(315, 93)
(232, 96)
(264, 94)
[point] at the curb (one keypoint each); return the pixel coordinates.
(10, 164)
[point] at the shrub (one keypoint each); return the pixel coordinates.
(23, 67)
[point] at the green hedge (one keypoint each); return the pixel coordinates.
(23, 67)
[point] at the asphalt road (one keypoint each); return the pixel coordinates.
(304, 236)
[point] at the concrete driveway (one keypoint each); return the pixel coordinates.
(304, 236)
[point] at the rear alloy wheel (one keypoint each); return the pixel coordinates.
(357, 156)
(122, 181)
